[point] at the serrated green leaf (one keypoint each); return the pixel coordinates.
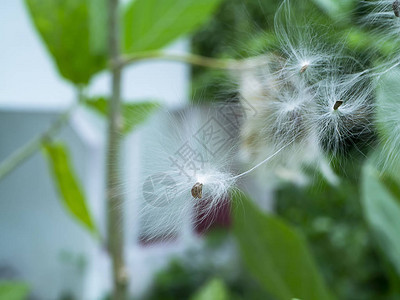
(64, 28)
(381, 206)
(133, 114)
(215, 289)
(275, 254)
(153, 24)
(13, 290)
(68, 185)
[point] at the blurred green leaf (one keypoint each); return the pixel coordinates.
(275, 254)
(98, 104)
(136, 113)
(68, 184)
(98, 25)
(64, 28)
(391, 185)
(358, 39)
(13, 290)
(388, 111)
(215, 289)
(152, 24)
(133, 114)
(382, 211)
(336, 9)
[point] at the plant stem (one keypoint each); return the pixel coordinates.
(27, 150)
(115, 229)
(225, 64)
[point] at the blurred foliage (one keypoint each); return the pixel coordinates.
(381, 180)
(339, 10)
(64, 28)
(133, 113)
(236, 30)
(242, 29)
(388, 110)
(153, 24)
(381, 203)
(214, 289)
(276, 254)
(75, 31)
(98, 29)
(218, 258)
(13, 290)
(69, 187)
(332, 219)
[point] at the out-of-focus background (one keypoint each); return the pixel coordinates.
(306, 241)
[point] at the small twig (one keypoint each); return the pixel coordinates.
(193, 59)
(27, 150)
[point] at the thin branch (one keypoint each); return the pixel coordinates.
(115, 229)
(193, 59)
(27, 150)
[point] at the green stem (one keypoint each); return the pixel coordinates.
(115, 222)
(27, 150)
(193, 59)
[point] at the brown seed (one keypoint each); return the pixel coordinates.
(197, 190)
(303, 68)
(396, 8)
(337, 104)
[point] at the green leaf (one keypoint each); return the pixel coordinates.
(358, 39)
(133, 114)
(137, 113)
(64, 28)
(391, 185)
(215, 289)
(275, 254)
(98, 25)
(13, 290)
(98, 104)
(152, 24)
(388, 112)
(381, 206)
(336, 9)
(68, 185)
